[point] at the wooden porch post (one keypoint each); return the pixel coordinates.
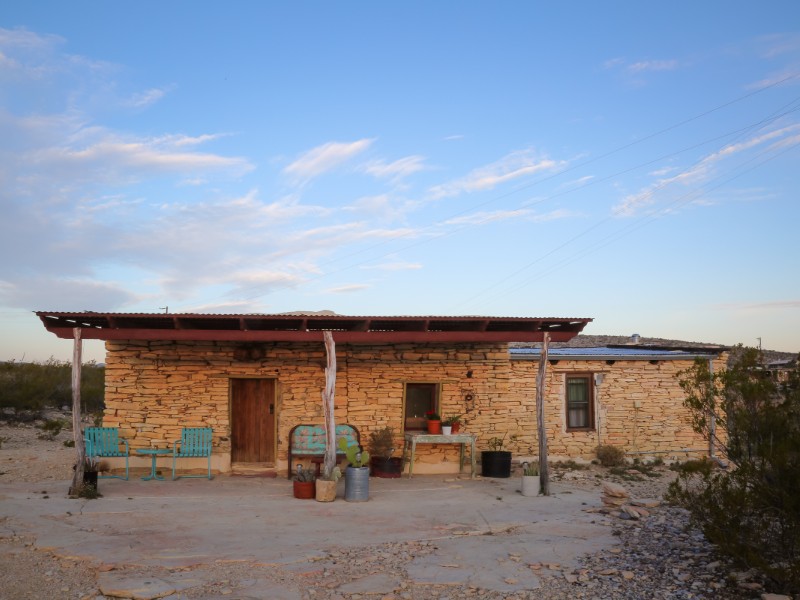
(329, 462)
(77, 433)
(544, 474)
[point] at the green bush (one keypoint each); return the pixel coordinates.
(51, 428)
(610, 456)
(35, 386)
(752, 509)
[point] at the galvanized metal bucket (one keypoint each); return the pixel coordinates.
(356, 484)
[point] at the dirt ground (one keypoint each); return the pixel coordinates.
(28, 572)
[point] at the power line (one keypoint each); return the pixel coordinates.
(290, 282)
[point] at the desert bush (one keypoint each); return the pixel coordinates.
(51, 428)
(610, 456)
(752, 509)
(35, 386)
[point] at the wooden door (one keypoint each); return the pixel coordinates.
(253, 420)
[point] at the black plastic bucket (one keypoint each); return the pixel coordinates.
(496, 463)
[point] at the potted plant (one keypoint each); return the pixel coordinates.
(356, 476)
(88, 486)
(303, 483)
(496, 462)
(451, 425)
(530, 479)
(326, 485)
(381, 448)
(434, 422)
(91, 468)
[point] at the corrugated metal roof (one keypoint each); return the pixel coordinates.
(607, 353)
(307, 327)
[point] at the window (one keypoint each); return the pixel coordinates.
(580, 404)
(421, 398)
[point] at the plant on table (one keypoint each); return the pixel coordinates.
(452, 420)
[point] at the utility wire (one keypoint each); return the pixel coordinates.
(290, 282)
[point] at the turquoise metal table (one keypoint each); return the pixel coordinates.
(412, 439)
(154, 453)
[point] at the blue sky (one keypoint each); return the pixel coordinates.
(610, 160)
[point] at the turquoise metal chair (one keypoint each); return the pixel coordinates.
(104, 442)
(195, 442)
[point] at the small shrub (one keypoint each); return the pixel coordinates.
(2, 439)
(51, 428)
(88, 492)
(569, 465)
(69, 443)
(610, 456)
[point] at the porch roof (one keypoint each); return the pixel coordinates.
(295, 327)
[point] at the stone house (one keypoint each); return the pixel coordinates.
(251, 378)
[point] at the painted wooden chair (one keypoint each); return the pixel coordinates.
(195, 442)
(104, 442)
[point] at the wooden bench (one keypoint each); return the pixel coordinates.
(308, 441)
(195, 442)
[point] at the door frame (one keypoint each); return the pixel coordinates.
(276, 414)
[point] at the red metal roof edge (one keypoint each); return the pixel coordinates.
(306, 327)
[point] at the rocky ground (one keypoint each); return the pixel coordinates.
(660, 556)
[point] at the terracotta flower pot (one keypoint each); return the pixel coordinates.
(304, 489)
(434, 426)
(456, 427)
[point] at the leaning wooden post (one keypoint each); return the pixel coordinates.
(77, 433)
(329, 462)
(544, 476)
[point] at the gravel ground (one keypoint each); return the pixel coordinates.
(659, 556)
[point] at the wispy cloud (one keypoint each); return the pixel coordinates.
(484, 218)
(652, 65)
(778, 44)
(704, 168)
(778, 305)
(396, 265)
(634, 72)
(146, 98)
(513, 166)
(348, 289)
(324, 158)
(395, 170)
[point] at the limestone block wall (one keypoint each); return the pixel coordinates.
(638, 407)
(153, 389)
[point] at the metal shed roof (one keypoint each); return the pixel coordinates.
(610, 353)
(308, 327)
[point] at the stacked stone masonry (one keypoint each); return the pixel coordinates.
(154, 389)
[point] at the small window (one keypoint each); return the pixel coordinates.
(421, 398)
(580, 411)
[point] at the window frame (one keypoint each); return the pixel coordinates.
(590, 409)
(437, 395)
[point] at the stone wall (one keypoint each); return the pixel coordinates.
(153, 389)
(638, 407)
